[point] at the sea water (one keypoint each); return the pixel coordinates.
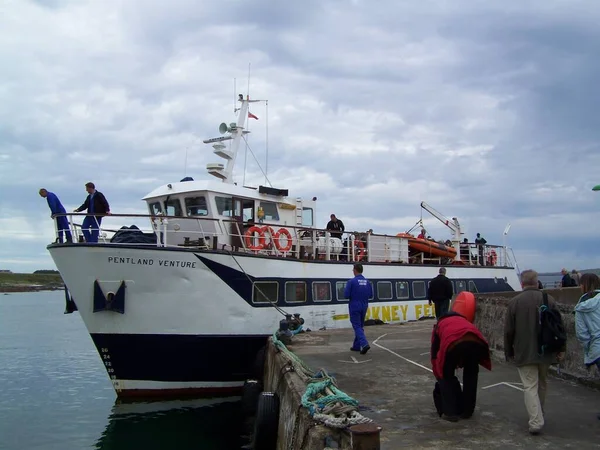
(55, 393)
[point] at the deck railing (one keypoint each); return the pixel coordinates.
(300, 242)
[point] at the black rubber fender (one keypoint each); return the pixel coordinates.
(259, 363)
(266, 426)
(250, 394)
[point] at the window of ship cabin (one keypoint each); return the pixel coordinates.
(196, 206)
(270, 209)
(340, 286)
(472, 287)
(295, 291)
(321, 291)
(372, 290)
(155, 208)
(265, 291)
(248, 210)
(174, 208)
(224, 206)
(307, 217)
(418, 289)
(402, 289)
(460, 286)
(384, 290)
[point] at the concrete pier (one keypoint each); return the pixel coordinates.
(394, 384)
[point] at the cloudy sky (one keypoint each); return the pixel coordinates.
(485, 110)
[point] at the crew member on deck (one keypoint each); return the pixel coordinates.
(336, 227)
(358, 291)
(56, 207)
(456, 342)
(96, 204)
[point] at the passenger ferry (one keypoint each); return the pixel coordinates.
(184, 306)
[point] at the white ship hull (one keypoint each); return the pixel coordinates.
(189, 323)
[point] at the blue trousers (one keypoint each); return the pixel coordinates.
(63, 226)
(91, 228)
(357, 319)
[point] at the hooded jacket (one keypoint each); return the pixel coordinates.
(587, 326)
(450, 329)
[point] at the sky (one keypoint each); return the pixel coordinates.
(485, 110)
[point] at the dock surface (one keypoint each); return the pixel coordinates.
(393, 384)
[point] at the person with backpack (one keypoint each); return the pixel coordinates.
(534, 338)
(456, 342)
(587, 320)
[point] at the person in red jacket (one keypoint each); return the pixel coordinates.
(456, 342)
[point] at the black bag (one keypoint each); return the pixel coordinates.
(552, 331)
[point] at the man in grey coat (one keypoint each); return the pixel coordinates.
(521, 345)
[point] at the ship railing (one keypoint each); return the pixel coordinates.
(307, 243)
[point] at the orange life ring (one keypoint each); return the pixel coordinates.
(268, 230)
(492, 258)
(288, 236)
(249, 238)
(360, 250)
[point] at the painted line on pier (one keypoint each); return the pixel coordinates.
(396, 354)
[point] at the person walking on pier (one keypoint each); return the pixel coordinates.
(440, 293)
(587, 320)
(456, 342)
(56, 207)
(358, 291)
(522, 332)
(96, 204)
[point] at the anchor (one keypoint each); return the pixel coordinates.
(112, 301)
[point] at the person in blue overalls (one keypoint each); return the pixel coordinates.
(96, 204)
(56, 207)
(358, 291)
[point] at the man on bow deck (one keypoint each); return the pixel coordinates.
(56, 207)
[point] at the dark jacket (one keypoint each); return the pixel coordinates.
(100, 204)
(450, 329)
(567, 281)
(440, 288)
(336, 228)
(522, 328)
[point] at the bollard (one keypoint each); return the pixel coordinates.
(365, 436)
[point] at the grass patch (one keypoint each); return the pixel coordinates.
(28, 279)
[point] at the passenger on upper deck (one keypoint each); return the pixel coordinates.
(480, 241)
(336, 227)
(422, 234)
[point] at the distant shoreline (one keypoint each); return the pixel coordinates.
(30, 282)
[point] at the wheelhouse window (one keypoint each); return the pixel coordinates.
(224, 206)
(174, 208)
(307, 217)
(418, 289)
(321, 291)
(295, 292)
(270, 210)
(340, 286)
(155, 208)
(196, 206)
(384, 290)
(402, 290)
(265, 292)
(247, 210)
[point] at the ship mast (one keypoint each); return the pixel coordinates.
(233, 132)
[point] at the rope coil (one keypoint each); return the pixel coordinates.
(325, 402)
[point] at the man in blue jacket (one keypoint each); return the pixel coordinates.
(56, 207)
(97, 206)
(358, 291)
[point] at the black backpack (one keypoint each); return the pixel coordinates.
(552, 337)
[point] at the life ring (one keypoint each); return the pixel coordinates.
(360, 250)
(492, 258)
(288, 236)
(249, 238)
(268, 230)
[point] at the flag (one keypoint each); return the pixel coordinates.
(252, 116)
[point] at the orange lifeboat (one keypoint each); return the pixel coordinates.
(432, 248)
